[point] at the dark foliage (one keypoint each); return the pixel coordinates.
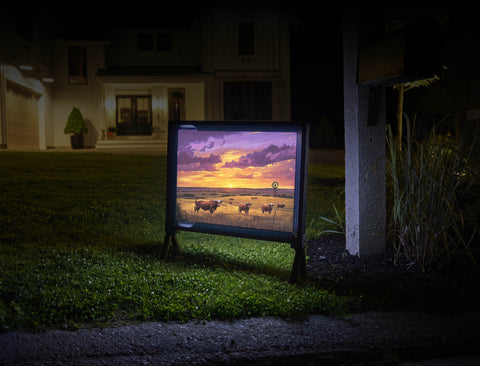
(381, 285)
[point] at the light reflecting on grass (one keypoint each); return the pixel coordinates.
(80, 237)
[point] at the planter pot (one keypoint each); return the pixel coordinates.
(77, 141)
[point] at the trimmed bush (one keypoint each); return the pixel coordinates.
(76, 123)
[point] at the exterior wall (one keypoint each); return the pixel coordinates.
(203, 58)
(194, 101)
(186, 52)
(270, 61)
(86, 97)
(25, 99)
(220, 40)
(281, 108)
(22, 118)
(27, 102)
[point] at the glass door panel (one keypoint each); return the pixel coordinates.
(134, 115)
(143, 125)
(124, 115)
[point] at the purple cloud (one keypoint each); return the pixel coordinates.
(187, 161)
(191, 143)
(271, 154)
(201, 141)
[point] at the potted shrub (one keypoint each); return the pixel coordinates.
(77, 127)
(112, 132)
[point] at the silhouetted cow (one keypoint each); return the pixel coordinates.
(280, 206)
(267, 208)
(244, 207)
(210, 205)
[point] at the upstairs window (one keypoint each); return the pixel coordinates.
(246, 39)
(77, 65)
(148, 42)
(145, 42)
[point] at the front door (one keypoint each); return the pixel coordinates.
(134, 115)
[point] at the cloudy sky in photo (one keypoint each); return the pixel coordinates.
(236, 159)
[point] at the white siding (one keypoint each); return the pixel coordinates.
(87, 98)
(186, 51)
(208, 48)
(22, 118)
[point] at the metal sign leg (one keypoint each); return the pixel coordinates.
(299, 263)
(169, 238)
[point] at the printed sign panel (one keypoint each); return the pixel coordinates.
(237, 178)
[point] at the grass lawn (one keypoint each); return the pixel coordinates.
(80, 237)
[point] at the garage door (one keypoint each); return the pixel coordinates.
(22, 118)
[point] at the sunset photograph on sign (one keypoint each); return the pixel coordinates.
(239, 178)
(236, 159)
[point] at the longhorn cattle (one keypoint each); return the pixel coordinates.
(280, 205)
(267, 208)
(207, 205)
(244, 207)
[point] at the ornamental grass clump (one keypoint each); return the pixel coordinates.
(427, 181)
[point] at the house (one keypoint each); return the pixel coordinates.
(227, 64)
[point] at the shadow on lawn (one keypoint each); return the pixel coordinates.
(373, 283)
(214, 260)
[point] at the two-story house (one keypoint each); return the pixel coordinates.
(228, 64)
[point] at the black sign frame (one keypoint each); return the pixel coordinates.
(296, 236)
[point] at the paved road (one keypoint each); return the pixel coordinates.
(372, 338)
(449, 361)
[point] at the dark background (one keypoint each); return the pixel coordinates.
(316, 46)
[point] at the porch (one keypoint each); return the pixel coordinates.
(133, 143)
